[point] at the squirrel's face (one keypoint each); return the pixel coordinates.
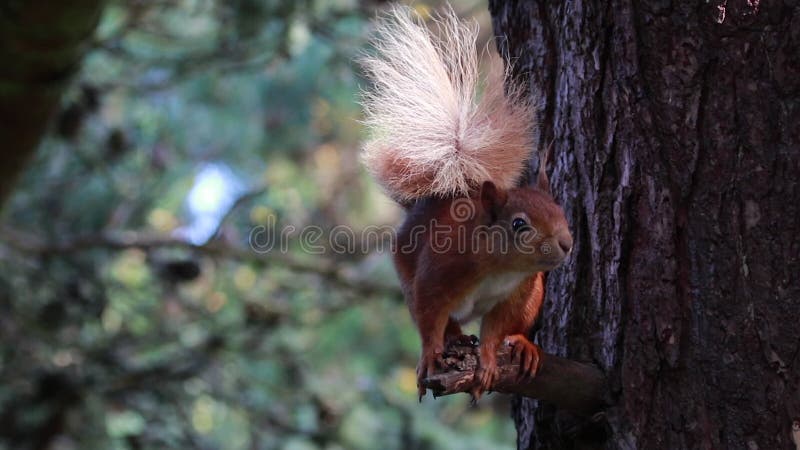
(532, 224)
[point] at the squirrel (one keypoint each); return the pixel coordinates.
(451, 148)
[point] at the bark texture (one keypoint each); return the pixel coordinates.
(676, 130)
(41, 44)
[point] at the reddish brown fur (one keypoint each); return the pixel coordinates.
(440, 133)
(436, 282)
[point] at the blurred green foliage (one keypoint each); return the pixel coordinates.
(133, 313)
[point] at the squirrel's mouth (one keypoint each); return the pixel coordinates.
(555, 250)
(550, 263)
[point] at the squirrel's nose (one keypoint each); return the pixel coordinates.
(565, 241)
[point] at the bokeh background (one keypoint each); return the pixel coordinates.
(135, 312)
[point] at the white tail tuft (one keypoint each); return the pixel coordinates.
(437, 128)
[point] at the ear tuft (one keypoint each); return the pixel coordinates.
(542, 182)
(493, 199)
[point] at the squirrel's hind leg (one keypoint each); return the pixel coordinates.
(431, 316)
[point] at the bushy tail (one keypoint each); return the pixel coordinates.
(437, 128)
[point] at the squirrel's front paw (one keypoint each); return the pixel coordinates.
(486, 374)
(527, 353)
(425, 368)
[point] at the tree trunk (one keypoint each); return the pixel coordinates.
(41, 44)
(676, 130)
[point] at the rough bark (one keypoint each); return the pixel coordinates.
(676, 129)
(41, 44)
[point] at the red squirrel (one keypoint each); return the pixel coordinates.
(451, 149)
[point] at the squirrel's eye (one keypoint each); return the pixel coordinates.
(519, 225)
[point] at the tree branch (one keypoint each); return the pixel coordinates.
(572, 386)
(41, 44)
(240, 200)
(328, 269)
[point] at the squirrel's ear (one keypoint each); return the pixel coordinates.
(542, 182)
(493, 198)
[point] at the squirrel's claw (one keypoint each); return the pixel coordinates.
(528, 355)
(476, 395)
(486, 375)
(426, 368)
(487, 372)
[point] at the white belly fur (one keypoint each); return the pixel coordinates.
(489, 292)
